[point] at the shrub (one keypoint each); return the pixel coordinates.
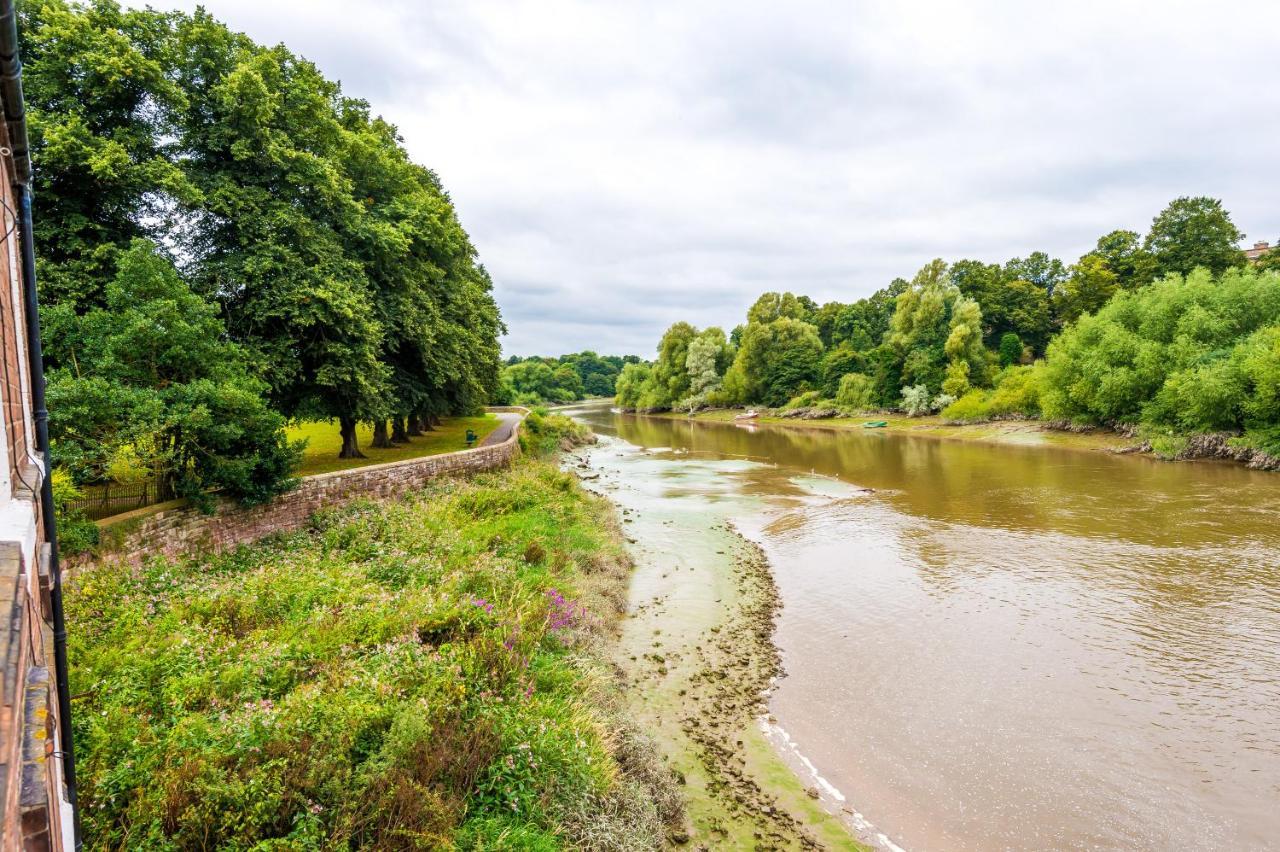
(76, 533)
(916, 400)
(856, 392)
(1017, 391)
(542, 433)
(808, 399)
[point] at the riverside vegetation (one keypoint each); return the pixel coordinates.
(417, 674)
(1174, 337)
(227, 243)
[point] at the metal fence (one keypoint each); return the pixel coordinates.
(112, 498)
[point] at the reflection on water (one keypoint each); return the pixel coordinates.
(1013, 647)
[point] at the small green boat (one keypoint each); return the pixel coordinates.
(875, 424)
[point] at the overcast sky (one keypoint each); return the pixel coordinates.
(623, 165)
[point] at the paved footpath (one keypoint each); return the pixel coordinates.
(503, 432)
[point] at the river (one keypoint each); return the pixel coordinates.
(993, 646)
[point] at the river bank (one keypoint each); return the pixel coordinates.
(1020, 432)
(697, 653)
(426, 672)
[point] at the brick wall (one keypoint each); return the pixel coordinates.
(183, 530)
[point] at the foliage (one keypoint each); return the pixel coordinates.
(1090, 286)
(151, 374)
(936, 334)
(916, 400)
(1193, 354)
(1016, 392)
(76, 533)
(1011, 349)
(776, 361)
(706, 362)
(425, 673)
(808, 399)
(542, 433)
(1126, 259)
(634, 384)
(340, 266)
(856, 392)
(528, 381)
(1194, 232)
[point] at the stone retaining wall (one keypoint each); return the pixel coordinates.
(181, 529)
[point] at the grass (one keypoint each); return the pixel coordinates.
(421, 674)
(324, 442)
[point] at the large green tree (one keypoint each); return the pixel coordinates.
(1193, 232)
(149, 380)
(936, 334)
(776, 361)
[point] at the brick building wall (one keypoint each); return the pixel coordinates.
(34, 814)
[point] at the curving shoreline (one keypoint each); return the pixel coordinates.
(698, 659)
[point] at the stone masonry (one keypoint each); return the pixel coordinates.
(183, 530)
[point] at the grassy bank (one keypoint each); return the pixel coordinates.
(324, 442)
(933, 426)
(420, 674)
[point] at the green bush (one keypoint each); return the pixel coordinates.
(1191, 354)
(856, 392)
(542, 433)
(808, 399)
(1016, 391)
(421, 674)
(76, 533)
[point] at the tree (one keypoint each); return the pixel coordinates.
(1124, 256)
(936, 333)
(705, 364)
(670, 370)
(1039, 269)
(856, 392)
(1090, 286)
(1010, 349)
(1193, 232)
(150, 377)
(1009, 304)
(1188, 353)
(772, 306)
(634, 383)
(100, 104)
(776, 361)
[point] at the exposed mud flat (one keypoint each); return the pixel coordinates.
(697, 654)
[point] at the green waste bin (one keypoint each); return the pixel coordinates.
(471, 437)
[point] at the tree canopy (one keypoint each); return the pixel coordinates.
(342, 279)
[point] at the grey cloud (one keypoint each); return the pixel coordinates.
(624, 165)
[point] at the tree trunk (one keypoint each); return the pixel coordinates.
(399, 435)
(434, 420)
(350, 449)
(414, 426)
(424, 420)
(381, 440)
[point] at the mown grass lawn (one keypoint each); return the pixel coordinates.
(324, 441)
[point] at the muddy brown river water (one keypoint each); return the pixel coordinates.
(1001, 647)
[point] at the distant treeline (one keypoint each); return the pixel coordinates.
(1175, 332)
(526, 381)
(224, 241)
